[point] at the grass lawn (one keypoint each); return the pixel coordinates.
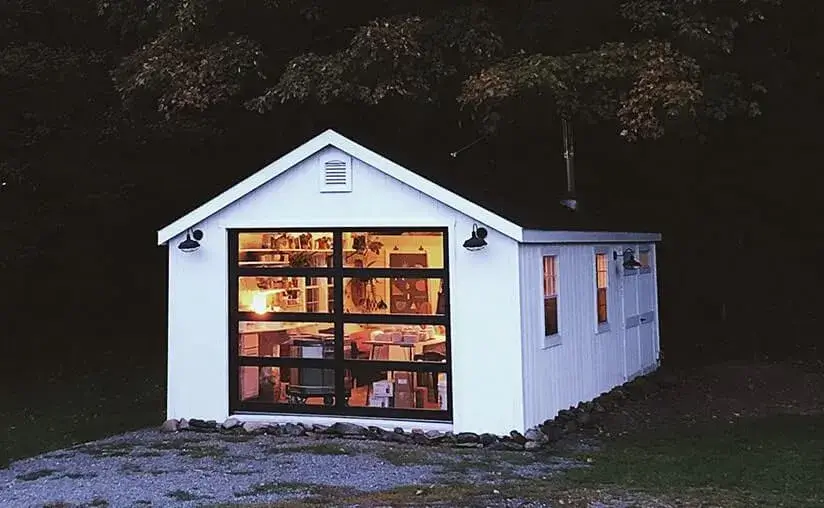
(772, 461)
(57, 412)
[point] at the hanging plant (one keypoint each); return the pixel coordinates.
(362, 245)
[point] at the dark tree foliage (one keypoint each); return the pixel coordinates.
(640, 64)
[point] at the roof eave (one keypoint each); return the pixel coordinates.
(544, 236)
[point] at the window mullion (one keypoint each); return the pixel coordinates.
(337, 312)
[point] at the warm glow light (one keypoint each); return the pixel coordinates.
(259, 303)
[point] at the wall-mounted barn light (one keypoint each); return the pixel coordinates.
(630, 263)
(191, 244)
(477, 240)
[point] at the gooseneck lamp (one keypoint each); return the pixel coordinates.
(477, 240)
(191, 244)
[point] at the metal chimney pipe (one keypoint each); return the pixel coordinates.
(570, 201)
(569, 155)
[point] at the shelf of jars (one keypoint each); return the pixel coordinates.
(284, 294)
(315, 250)
(297, 250)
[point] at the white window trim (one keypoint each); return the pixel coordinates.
(601, 327)
(554, 340)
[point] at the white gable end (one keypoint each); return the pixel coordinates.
(344, 183)
(297, 198)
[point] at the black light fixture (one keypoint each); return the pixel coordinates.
(190, 244)
(476, 241)
(630, 263)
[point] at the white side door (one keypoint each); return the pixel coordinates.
(646, 307)
(631, 315)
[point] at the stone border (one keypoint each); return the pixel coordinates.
(586, 416)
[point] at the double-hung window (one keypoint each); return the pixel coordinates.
(602, 289)
(550, 294)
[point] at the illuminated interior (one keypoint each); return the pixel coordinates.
(288, 350)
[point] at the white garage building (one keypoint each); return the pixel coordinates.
(336, 285)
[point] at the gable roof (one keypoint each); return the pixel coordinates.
(512, 223)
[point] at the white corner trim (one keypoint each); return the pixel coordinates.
(543, 236)
(311, 147)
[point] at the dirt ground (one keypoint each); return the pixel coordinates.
(725, 392)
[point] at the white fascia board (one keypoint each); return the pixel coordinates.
(379, 162)
(541, 236)
(241, 189)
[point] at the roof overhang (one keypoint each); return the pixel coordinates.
(542, 236)
(311, 147)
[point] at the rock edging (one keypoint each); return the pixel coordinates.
(586, 416)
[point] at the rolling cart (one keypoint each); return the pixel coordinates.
(312, 382)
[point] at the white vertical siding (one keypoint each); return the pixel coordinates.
(586, 363)
(198, 311)
(486, 327)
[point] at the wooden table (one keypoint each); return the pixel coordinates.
(437, 344)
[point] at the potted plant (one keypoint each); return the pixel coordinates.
(301, 260)
(363, 290)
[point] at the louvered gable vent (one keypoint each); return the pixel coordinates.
(336, 176)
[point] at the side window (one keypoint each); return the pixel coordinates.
(550, 295)
(643, 258)
(602, 285)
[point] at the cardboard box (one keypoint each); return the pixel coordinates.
(403, 381)
(383, 388)
(380, 401)
(404, 400)
(409, 338)
(420, 397)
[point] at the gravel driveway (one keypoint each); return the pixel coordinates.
(150, 468)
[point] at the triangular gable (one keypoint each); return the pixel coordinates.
(357, 151)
